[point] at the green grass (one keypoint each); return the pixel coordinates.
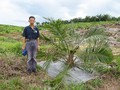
(90, 85)
(118, 39)
(117, 61)
(10, 29)
(17, 84)
(87, 25)
(6, 39)
(5, 29)
(12, 84)
(9, 45)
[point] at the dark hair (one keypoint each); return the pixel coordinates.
(31, 17)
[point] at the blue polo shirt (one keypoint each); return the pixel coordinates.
(30, 33)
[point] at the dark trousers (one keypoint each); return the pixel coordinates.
(31, 47)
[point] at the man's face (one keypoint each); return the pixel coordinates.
(31, 20)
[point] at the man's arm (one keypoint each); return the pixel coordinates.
(24, 39)
(38, 42)
(23, 43)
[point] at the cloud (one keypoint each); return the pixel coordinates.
(16, 12)
(10, 14)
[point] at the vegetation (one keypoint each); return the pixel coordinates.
(9, 45)
(97, 18)
(91, 47)
(88, 25)
(9, 29)
(65, 42)
(69, 41)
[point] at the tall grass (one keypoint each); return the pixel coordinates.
(8, 45)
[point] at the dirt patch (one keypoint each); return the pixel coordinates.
(110, 83)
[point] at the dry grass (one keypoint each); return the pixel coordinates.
(110, 83)
(16, 67)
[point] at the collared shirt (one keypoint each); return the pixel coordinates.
(30, 33)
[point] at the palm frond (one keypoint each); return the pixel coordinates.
(56, 28)
(97, 47)
(95, 31)
(95, 34)
(98, 53)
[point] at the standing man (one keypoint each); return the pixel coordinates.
(31, 44)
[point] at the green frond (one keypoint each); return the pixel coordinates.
(56, 28)
(95, 31)
(98, 53)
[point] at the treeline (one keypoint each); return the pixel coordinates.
(96, 18)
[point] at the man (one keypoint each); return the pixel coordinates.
(31, 44)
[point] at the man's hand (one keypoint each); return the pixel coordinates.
(23, 47)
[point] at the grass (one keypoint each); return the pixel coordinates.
(9, 29)
(87, 25)
(118, 39)
(12, 84)
(13, 75)
(6, 39)
(116, 66)
(90, 85)
(9, 45)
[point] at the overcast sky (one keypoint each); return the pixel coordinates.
(16, 12)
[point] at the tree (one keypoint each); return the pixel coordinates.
(99, 17)
(106, 17)
(91, 47)
(87, 19)
(118, 18)
(68, 42)
(114, 19)
(37, 24)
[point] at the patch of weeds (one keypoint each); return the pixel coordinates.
(115, 70)
(118, 39)
(39, 68)
(6, 39)
(10, 47)
(12, 84)
(81, 86)
(96, 83)
(90, 85)
(10, 29)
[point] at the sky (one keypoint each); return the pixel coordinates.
(17, 12)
